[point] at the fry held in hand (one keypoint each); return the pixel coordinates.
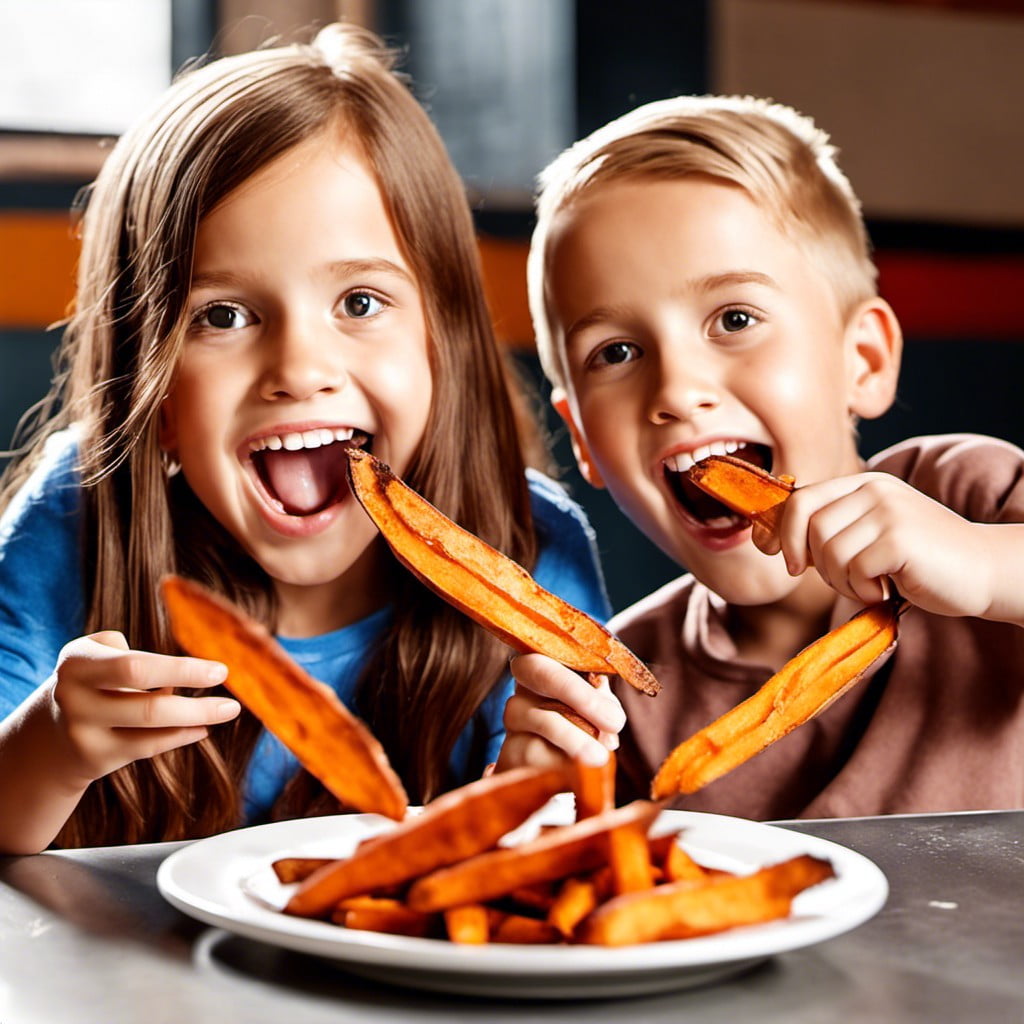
(483, 583)
(743, 487)
(304, 714)
(821, 673)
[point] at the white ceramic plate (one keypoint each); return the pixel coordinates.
(227, 881)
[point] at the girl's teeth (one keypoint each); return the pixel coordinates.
(296, 441)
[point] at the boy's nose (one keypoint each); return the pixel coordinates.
(301, 361)
(681, 395)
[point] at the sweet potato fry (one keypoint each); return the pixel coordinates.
(483, 583)
(555, 854)
(678, 865)
(594, 788)
(630, 859)
(743, 487)
(683, 909)
(375, 914)
(575, 900)
(468, 925)
(457, 825)
(801, 689)
(525, 931)
(306, 715)
(295, 869)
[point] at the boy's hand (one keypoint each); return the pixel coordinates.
(857, 530)
(112, 705)
(537, 735)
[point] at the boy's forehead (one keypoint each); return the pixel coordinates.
(628, 241)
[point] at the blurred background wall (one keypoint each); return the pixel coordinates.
(923, 98)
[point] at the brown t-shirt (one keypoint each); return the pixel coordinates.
(937, 726)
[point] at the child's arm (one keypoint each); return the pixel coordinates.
(536, 734)
(855, 530)
(104, 707)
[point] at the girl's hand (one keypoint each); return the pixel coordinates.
(535, 734)
(112, 705)
(857, 530)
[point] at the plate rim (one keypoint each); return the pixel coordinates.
(867, 885)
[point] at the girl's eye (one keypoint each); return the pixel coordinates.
(222, 316)
(733, 320)
(615, 354)
(360, 305)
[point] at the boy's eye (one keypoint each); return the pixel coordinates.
(360, 305)
(223, 316)
(733, 320)
(615, 353)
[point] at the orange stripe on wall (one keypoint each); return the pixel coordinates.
(37, 268)
(504, 272)
(935, 295)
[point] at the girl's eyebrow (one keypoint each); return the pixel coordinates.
(336, 268)
(373, 265)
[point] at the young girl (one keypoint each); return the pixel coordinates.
(277, 262)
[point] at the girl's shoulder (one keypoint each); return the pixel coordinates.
(567, 559)
(552, 506)
(52, 489)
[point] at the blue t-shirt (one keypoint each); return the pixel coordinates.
(42, 605)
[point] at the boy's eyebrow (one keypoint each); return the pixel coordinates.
(708, 283)
(712, 281)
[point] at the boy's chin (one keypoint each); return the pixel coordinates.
(754, 587)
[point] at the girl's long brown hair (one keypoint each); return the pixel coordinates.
(216, 126)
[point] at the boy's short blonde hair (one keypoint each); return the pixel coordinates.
(784, 163)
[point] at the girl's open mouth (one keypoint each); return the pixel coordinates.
(697, 506)
(303, 473)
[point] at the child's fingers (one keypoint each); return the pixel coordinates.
(527, 713)
(548, 678)
(521, 750)
(103, 660)
(127, 710)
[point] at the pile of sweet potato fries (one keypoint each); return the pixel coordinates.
(444, 872)
(600, 880)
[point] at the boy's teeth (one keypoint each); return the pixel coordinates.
(296, 441)
(682, 461)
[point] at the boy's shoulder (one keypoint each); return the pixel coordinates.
(665, 607)
(978, 476)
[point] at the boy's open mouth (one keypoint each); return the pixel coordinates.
(304, 473)
(696, 505)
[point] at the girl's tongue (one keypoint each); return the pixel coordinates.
(304, 481)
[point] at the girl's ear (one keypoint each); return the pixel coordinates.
(560, 400)
(167, 435)
(874, 347)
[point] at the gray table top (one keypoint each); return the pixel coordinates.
(86, 937)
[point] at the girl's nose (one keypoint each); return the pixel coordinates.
(302, 360)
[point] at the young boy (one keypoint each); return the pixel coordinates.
(700, 282)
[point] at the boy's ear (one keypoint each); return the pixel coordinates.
(560, 400)
(874, 349)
